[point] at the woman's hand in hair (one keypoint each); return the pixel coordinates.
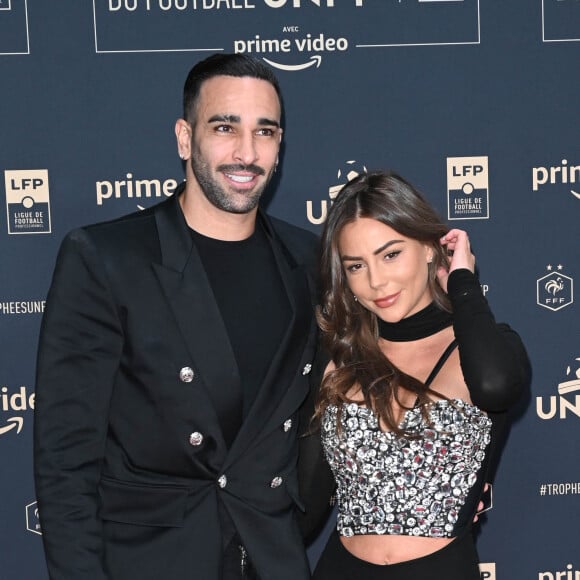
(458, 249)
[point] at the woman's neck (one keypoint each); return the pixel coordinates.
(424, 323)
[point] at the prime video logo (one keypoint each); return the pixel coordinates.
(568, 574)
(130, 188)
(556, 175)
(15, 405)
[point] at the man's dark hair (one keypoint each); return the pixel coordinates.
(223, 64)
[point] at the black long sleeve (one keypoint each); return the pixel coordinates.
(493, 359)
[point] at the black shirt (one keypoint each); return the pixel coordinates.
(251, 297)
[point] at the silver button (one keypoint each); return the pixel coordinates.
(307, 368)
(276, 482)
(287, 425)
(222, 481)
(186, 374)
(195, 438)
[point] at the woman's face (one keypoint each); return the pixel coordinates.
(386, 271)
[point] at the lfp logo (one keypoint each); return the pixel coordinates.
(467, 188)
(27, 201)
(487, 570)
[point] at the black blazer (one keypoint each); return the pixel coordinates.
(130, 461)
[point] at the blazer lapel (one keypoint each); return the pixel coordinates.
(279, 396)
(190, 297)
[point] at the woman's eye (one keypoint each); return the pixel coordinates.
(392, 255)
(354, 267)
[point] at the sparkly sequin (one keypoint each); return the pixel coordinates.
(387, 484)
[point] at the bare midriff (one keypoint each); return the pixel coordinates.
(392, 549)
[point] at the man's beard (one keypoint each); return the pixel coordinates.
(240, 202)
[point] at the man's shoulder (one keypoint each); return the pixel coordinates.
(296, 238)
(127, 222)
(134, 223)
(132, 232)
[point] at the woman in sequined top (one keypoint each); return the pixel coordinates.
(413, 404)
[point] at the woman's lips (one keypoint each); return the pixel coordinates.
(386, 301)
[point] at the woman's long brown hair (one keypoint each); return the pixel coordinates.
(349, 331)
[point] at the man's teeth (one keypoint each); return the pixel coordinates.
(240, 178)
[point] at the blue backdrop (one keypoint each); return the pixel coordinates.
(475, 102)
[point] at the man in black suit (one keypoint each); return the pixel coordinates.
(174, 356)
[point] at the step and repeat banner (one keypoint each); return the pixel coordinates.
(475, 102)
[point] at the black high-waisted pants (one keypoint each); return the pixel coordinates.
(456, 561)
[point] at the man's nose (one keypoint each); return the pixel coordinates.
(246, 151)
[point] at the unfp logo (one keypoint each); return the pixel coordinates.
(570, 384)
(554, 290)
(467, 188)
(27, 201)
(344, 174)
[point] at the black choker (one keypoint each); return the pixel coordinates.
(420, 325)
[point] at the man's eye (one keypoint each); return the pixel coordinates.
(265, 132)
(223, 128)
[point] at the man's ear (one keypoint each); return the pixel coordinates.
(183, 133)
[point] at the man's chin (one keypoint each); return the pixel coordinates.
(239, 204)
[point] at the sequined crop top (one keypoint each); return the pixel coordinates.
(388, 484)
(431, 484)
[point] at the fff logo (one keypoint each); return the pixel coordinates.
(32, 520)
(555, 291)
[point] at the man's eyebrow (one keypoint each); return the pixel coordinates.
(346, 258)
(224, 119)
(268, 122)
(262, 121)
